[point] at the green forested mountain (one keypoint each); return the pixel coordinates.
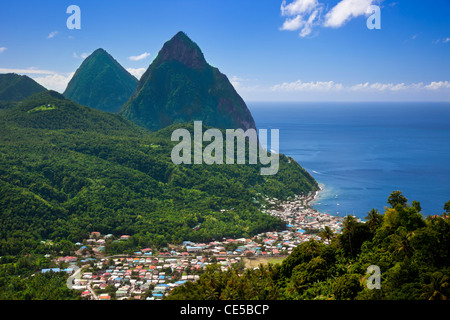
(14, 87)
(67, 170)
(101, 83)
(412, 254)
(180, 86)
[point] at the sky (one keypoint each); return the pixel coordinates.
(271, 50)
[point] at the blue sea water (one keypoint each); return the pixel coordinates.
(361, 152)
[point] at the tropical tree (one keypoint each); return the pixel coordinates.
(397, 198)
(374, 219)
(438, 288)
(326, 234)
(346, 287)
(403, 241)
(416, 204)
(447, 208)
(349, 225)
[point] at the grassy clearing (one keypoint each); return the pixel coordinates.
(42, 108)
(256, 261)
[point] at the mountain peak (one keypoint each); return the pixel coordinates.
(99, 51)
(101, 83)
(180, 86)
(182, 49)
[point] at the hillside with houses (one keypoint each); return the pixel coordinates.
(151, 273)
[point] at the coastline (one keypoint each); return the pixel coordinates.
(303, 222)
(316, 194)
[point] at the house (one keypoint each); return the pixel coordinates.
(86, 293)
(78, 287)
(66, 259)
(51, 270)
(121, 293)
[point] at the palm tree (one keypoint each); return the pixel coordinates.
(349, 225)
(403, 240)
(374, 219)
(327, 233)
(438, 288)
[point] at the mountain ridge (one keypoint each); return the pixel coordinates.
(67, 170)
(180, 86)
(101, 82)
(14, 87)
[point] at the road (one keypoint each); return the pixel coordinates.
(76, 275)
(73, 277)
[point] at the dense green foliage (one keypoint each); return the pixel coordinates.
(180, 86)
(21, 279)
(67, 170)
(14, 87)
(101, 83)
(413, 255)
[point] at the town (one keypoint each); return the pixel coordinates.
(151, 274)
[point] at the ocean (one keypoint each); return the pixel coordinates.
(360, 152)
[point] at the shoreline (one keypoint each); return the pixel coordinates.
(303, 222)
(310, 199)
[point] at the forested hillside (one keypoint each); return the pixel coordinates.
(101, 83)
(14, 87)
(67, 170)
(413, 255)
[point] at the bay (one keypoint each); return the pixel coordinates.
(361, 152)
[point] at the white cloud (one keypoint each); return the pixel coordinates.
(346, 10)
(438, 85)
(3, 49)
(244, 85)
(327, 86)
(307, 86)
(236, 81)
(57, 82)
(137, 72)
(298, 7)
(84, 55)
(31, 70)
(47, 78)
(139, 57)
(293, 24)
(304, 15)
(444, 40)
(300, 15)
(251, 90)
(52, 34)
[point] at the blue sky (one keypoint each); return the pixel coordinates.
(272, 50)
